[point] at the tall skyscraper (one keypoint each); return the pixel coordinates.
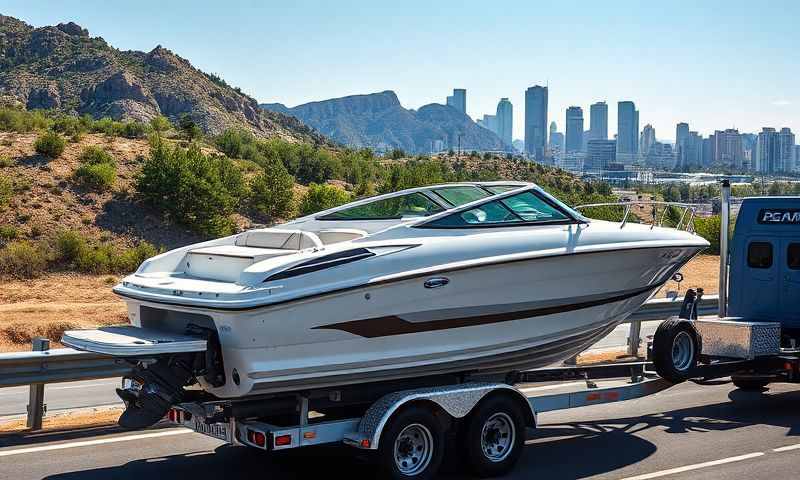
(647, 139)
(574, 129)
(681, 135)
(536, 122)
(627, 128)
(728, 149)
(505, 119)
(598, 121)
(766, 159)
(489, 122)
(458, 100)
(786, 149)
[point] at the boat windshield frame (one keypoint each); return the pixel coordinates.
(571, 216)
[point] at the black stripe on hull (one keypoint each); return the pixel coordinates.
(394, 325)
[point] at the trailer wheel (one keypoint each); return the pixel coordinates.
(676, 348)
(749, 383)
(412, 445)
(494, 436)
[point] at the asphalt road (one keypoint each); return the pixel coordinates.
(688, 431)
(93, 393)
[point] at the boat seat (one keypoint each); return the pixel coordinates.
(278, 239)
(336, 235)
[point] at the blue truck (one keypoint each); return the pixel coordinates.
(756, 338)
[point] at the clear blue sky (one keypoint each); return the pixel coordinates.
(714, 64)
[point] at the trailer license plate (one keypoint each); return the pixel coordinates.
(219, 431)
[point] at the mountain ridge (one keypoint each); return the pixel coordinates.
(379, 121)
(61, 67)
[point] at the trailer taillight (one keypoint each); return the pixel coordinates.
(257, 438)
(174, 415)
(283, 440)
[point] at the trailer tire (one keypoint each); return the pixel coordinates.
(412, 445)
(494, 436)
(749, 383)
(676, 349)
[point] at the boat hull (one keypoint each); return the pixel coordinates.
(492, 318)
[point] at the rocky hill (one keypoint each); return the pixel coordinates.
(379, 121)
(63, 68)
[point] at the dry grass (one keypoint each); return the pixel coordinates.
(702, 272)
(51, 304)
(95, 417)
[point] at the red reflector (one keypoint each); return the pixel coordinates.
(282, 440)
(257, 438)
(173, 415)
(365, 443)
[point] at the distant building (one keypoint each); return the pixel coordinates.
(556, 141)
(681, 134)
(519, 145)
(796, 164)
(601, 154)
(505, 120)
(766, 157)
(660, 156)
(598, 121)
(574, 141)
(489, 122)
(647, 139)
(627, 128)
(786, 144)
(728, 149)
(536, 122)
(458, 100)
(749, 141)
(708, 151)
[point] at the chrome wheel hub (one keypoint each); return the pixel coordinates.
(682, 351)
(413, 449)
(497, 437)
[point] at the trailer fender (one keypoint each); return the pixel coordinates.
(456, 400)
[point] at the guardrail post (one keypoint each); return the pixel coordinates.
(634, 339)
(36, 406)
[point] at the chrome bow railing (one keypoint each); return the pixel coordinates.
(657, 214)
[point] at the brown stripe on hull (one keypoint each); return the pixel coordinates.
(394, 325)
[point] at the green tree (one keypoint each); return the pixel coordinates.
(189, 128)
(197, 190)
(271, 192)
(323, 197)
(160, 124)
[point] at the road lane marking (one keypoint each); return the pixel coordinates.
(696, 466)
(786, 448)
(89, 443)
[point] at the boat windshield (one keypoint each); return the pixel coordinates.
(411, 205)
(522, 208)
(457, 196)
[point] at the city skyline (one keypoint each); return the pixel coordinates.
(299, 53)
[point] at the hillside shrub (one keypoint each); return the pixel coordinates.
(8, 232)
(75, 251)
(21, 121)
(23, 259)
(98, 169)
(50, 144)
(132, 130)
(197, 190)
(6, 161)
(323, 197)
(271, 192)
(708, 228)
(190, 129)
(160, 124)
(235, 143)
(6, 191)
(69, 126)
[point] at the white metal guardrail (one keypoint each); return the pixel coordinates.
(43, 366)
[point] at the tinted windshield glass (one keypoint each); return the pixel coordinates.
(458, 196)
(522, 208)
(532, 208)
(411, 205)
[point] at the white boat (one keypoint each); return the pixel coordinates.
(469, 279)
